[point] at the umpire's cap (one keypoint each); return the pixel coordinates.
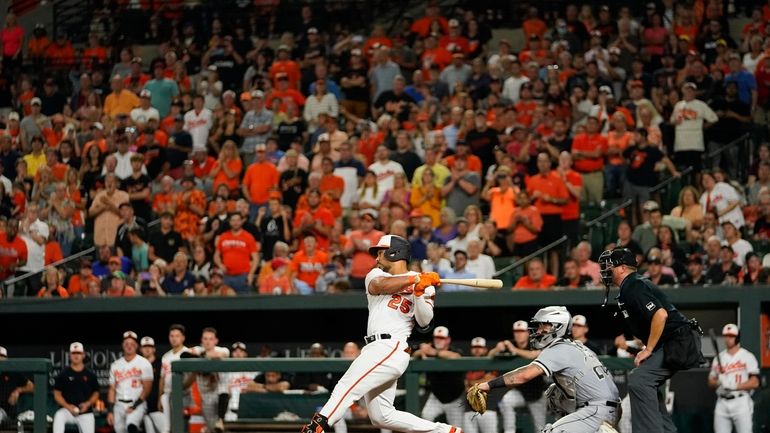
(396, 248)
(619, 256)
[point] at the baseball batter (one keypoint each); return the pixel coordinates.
(734, 375)
(176, 337)
(130, 384)
(397, 300)
(583, 388)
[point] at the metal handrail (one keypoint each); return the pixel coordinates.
(746, 136)
(529, 257)
(63, 261)
(609, 213)
(671, 179)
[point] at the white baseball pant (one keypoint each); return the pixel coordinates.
(62, 417)
(373, 376)
(453, 410)
(736, 412)
(624, 425)
(155, 422)
(123, 419)
(514, 399)
(587, 419)
(165, 401)
(473, 422)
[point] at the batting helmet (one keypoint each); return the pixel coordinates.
(396, 248)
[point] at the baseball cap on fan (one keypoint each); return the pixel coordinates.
(441, 332)
(579, 320)
(147, 341)
(76, 347)
(3, 352)
(520, 325)
(731, 329)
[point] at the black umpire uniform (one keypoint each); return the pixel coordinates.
(677, 349)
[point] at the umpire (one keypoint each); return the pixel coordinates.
(672, 341)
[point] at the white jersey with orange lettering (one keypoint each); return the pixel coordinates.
(237, 382)
(734, 408)
(127, 377)
(165, 366)
(392, 314)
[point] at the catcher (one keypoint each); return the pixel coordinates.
(583, 392)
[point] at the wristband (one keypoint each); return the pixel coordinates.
(137, 403)
(497, 382)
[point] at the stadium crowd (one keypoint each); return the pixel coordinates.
(239, 160)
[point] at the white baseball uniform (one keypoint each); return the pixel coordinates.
(211, 385)
(374, 374)
(734, 408)
(127, 377)
(236, 383)
(165, 370)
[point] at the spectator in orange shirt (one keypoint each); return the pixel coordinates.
(307, 265)
(463, 149)
(423, 26)
(284, 63)
(283, 91)
(454, 41)
(118, 287)
(525, 226)
(78, 284)
(38, 44)
(261, 177)
(570, 215)
(536, 278)
(95, 55)
(501, 198)
(331, 185)
(533, 25)
(618, 139)
(278, 282)
(550, 194)
(60, 54)
(588, 151)
(228, 167)
(315, 221)
(378, 36)
(357, 248)
(52, 287)
(237, 253)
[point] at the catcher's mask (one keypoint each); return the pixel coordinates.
(559, 319)
(607, 262)
(396, 248)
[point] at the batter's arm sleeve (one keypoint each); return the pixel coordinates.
(423, 307)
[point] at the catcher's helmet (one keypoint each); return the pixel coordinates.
(558, 317)
(396, 248)
(611, 258)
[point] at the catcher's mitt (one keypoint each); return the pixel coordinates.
(477, 399)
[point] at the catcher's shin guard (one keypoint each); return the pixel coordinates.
(318, 424)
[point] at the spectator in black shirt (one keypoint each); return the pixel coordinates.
(14, 384)
(655, 272)
(641, 172)
(52, 100)
(165, 242)
(355, 85)
(405, 154)
(130, 222)
(138, 188)
(702, 79)
(572, 278)
(395, 102)
(179, 147)
(228, 62)
(695, 275)
(293, 179)
(725, 271)
(274, 227)
(734, 119)
(76, 390)
(483, 140)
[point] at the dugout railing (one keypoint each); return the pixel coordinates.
(39, 369)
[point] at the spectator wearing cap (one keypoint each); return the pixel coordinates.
(256, 126)
(121, 100)
(695, 275)
(458, 72)
(726, 271)
(76, 390)
(145, 111)
(33, 122)
(278, 282)
(136, 78)
(395, 101)
(458, 270)
(284, 64)
(722, 198)
(354, 82)
(689, 116)
(357, 247)
(78, 283)
(118, 286)
(216, 286)
(512, 85)
(741, 247)
(284, 92)
(656, 271)
(588, 149)
(536, 278)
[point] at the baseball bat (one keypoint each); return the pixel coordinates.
(483, 283)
